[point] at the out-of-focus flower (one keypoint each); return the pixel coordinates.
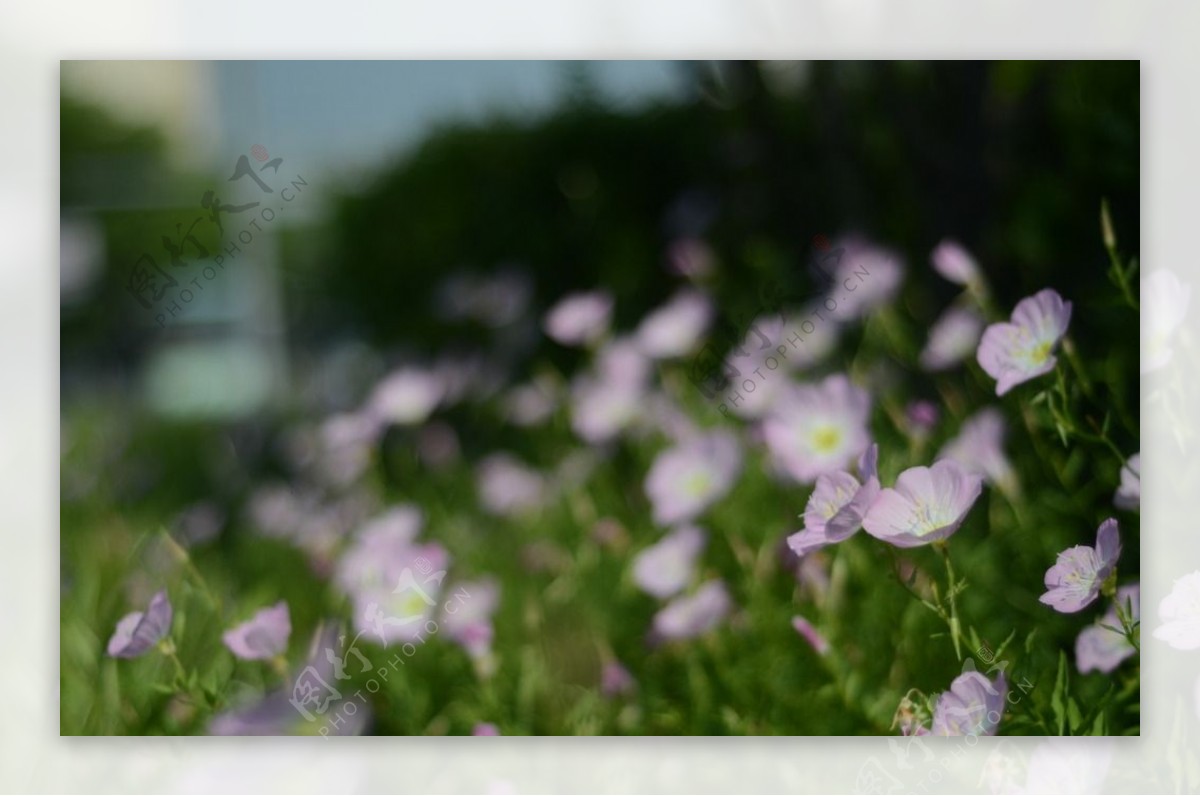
(1129, 493)
(864, 278)
(1015, 352)
(691, 258)
(973, 706)
(1179, 613)
(437, 445)
(955, 263)
(837, 505)
(1099, 647)
(922, 418)
(392, 580)
(615, 680)
(810, 634)
(485, 728)
(606, 401)
(262, 637)
(200, 522)
(406, 397)
(1076, 578)
(495, 299)
(666, 567)
(1068, 765)
(688, 478)
(818, 428)
(580, 318)
(137, 632)
(952, 339)
(675, 328)
(928, 504)
(467, 617)
(979, 448)
(344, 446)
(507, 487)
(693, 614)
(1165, 301)
(530, 404)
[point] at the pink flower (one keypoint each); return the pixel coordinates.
(837, 506)
(973, 706)
(810, 634)
(864, 278)
(818, 428)
(666, 568)
(580, 318)
(688, 478)
(605, 402)
(406, 397)
(1023, 349)
(1129, 493)
(955, 263)
(467, 617)
(922, 418)
(1099, 647)
(675, 328)
(953, 338)
(615, 680)
(694, 614)
(1074, 581)
(507, 487)
(137, 632)
(485, 728)
(928, 504)
(263, 637)
(979, 448)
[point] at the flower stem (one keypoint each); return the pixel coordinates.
(953, 622)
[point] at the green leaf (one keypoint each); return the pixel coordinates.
(1058, 700)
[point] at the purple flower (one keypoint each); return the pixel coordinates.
(666, 568)
(675, 328)
(973, 706)
(1076, 578)
(928, 504)
(530, 404)
(138, 632)
(1179, 613)
(688, 478)
(467, 619)
(1023, 349)
(952, 338)
(1129, 493)
(979, 448)
(1099, 647)
(922, 418)
(865, 277)
(606, 401)
(406, 397)
(818, 428)
(485, 728)
(954, 263)
(694, 614)
(837, 506)
(507, 487)
(263, 637)
(615, 680)
(810, 634)
(580, 318)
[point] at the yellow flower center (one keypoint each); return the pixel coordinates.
(826, 439)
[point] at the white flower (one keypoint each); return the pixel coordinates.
(1180, 614)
